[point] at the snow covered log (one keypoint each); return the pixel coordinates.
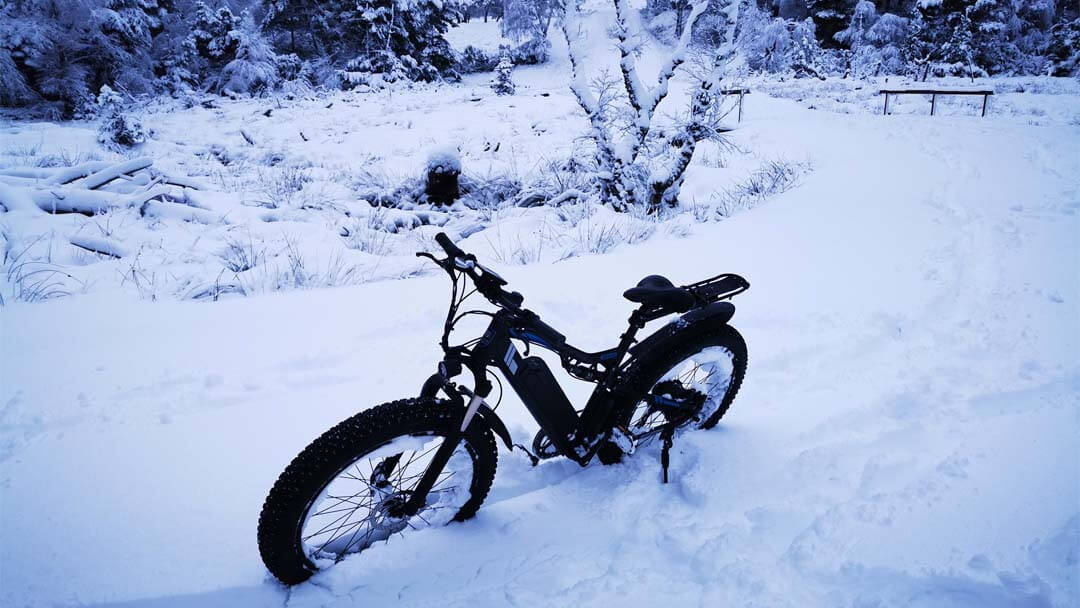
(99, 245)
(70, 174)
(104, 176)
(14, 199)
(158, 209)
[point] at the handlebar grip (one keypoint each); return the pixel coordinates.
(451, 249)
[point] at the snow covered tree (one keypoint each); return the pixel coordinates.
(991, 22)
(638, 163)
(830, 17)
(64, 49)
(395, 38)
(884, 43)
(712, 29)
(14, 90)
(854, 35)
(958, 50)
(875, 41)
(502, 84)
(530, 19)
(764, 42)
(918, 49)
(253, 67)
(792, 10)
(1064, 49)
(805, 51)
(118, 130)
(213, 39)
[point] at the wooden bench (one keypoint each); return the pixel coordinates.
(933, 93)
(740, 93)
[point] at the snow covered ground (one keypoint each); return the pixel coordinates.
(907, 434)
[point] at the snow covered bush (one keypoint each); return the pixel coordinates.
(118, 129)
(474, 59)
(502, 83)
(531, 52)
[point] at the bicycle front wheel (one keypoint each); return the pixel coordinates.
(343, 493)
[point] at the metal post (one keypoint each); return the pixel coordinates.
(740, 105)
(886, 105)
(933, 102)
(985, 97)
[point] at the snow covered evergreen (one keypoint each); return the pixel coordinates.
(502, 83)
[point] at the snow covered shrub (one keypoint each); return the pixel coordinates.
(771, 178)
(475, 60)
(486, 193)
(531, 52)
(281, 187)
(441, 173)
(502, 83)
(118, 129)
(240, 255)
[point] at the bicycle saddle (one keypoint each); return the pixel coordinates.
(655, 290)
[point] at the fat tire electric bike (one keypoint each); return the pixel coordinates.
(431, 459)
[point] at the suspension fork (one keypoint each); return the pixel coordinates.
(442, 456)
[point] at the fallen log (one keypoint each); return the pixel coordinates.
(184, 213)
(99, 245)
(104, 176)
(89, 202)
(16, 199)
(70, 174)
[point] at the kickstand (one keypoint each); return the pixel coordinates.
(666, 436)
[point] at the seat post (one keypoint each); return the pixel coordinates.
(636, 322)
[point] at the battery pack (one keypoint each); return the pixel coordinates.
(536, 385)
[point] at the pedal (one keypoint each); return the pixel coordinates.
(622, 438)
(618, 444)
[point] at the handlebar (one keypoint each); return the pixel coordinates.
(487, 282)
(451, 249)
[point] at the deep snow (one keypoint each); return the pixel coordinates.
(907, 434)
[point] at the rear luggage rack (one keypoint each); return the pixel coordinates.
(720, 287)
